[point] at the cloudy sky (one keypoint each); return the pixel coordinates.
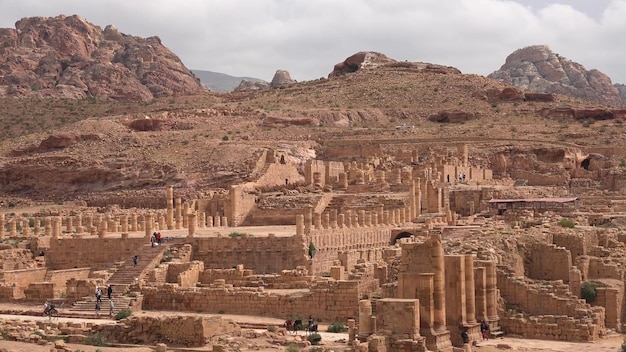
(308, 37)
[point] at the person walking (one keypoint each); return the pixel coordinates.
(109, 291)
(97, 309)
(111, 307)
(135, 259)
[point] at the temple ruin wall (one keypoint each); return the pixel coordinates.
(548, 262)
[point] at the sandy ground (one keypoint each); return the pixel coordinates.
(330, 340)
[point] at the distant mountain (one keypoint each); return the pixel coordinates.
(220, 82)
(538, 69)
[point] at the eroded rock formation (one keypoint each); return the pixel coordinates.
(539, 69)
(66, 56)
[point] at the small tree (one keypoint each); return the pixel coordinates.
(312, 250)
(314, 338)
(623, 348)
(588, 291)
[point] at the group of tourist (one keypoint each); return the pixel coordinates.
(155, 239)
(484, 330)
(98, 294)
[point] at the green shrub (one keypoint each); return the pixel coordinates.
(312, 250)
(235, 234)
(123, 314)
(95, 340)
(565, 222)
(314, 338)
(588, 291)
(337, 326)
(623, 348)
(271, 328)
(292, 348)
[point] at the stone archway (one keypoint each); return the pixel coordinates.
(399, 235)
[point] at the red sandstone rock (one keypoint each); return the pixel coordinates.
(66, 56)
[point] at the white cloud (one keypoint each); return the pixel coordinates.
(257, 37)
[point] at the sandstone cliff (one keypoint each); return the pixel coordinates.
(66, 56)
(539, 69)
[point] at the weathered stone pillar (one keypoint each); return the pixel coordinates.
(470, 297)
(333, 218)
(359, 177)
(133, 222)
(325, 220)
(148, 225)
(13, 227)
(343, 180)
(365, 315)
(341, 221)
(308, 217)
(191, 224)
(209, 221)
(368, 219)
(439, 292)
(102, 227)
(491, 288)
(217, 221)
(1, 225)
(347, 218)
(224, 221)
(480, 293)
(79, 224)
(185, 213)
(355, 219)
(36, 228)
(352, 330)
(575, 281)
(317, 221)
(69, 224)
(425, 290)
(25, 228)
(472, 209)
(361, 218)
(179, 216)
(202, 220)
(54, 226)
(418, 197)
(455, 290)
(299, 225)
(170, 208)
(124, 221)
(374, 219)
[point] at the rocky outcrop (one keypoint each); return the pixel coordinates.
(250, 86)
(281, 79)
(66, 56)
(452, 117)
(360, 60)
(568, 113)
(538, 69)
(621, 88)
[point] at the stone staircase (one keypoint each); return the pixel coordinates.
(126, 275)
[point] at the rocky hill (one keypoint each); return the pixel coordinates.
(539, 69)
(220, 82)
(98, 149)
(66, 56)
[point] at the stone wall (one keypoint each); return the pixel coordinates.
(326, 301)
(60, 277)
(578, 244)
(241, 203)
(548, 262)
(93, 252)
(22, 278)
(612, 299)
(269, 254)
(184, 274)
(550, 327)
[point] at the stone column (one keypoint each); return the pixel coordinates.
(202, 220)
(480, 293)
(418, 197)
(36, 229)
(472, 209)
(184, 214)
(361, 218)
(13, 227)
(425, 290)
(209, 221)
(374, 219)
(217, 221)
(69, 224)
(170, 208)
(224, 221)
(79, 224)
(333, 218)
(25, 228)
(470, 298)
(47, 229)
(455, 290)
(575, 281)
(491, 290)
(124, 221)
(325, 220)
(1, 225)
(347, 218)
(354, 221)
(343, 180)
(133, 222)
(308, 216)
(102, 228)
(368, 219)
(55, 227)
(341, 221)
(299, 225)
(192, 224)
(439, 292)
(179, 216)
(365, 322)
(317, 221)
(148, 225)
